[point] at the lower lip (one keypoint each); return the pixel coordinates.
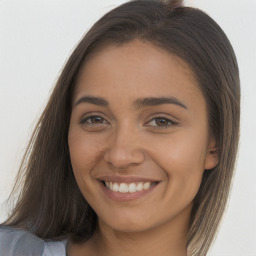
(124, 197)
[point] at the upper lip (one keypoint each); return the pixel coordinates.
(126, 179)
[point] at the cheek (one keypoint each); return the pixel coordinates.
(182, 158)
(85, 152)
(185, 151)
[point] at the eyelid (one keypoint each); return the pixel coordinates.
(161, 116)
(90, 115)
(172, 120)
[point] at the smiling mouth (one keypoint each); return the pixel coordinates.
(128, 187)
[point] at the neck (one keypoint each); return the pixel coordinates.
(164, 242)
(168, 239)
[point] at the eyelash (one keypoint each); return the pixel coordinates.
(169, 121)
(85, 120)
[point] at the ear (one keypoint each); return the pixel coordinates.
(212, 155)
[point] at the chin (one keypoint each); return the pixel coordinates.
(126, 224)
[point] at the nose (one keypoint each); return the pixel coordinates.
(124, 149)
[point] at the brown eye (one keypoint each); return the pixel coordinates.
(94, 123)
(91, 120)
(96, 119)
(161, 122)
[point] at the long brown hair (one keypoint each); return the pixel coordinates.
(50, 203)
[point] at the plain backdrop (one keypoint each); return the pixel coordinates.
(36, 38)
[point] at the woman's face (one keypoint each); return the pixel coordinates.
(138, 137)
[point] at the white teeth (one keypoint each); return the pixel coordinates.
(146, 185)
(123, 188)
(115, 187)
(140, 186)
(132, 188)
(128, 187)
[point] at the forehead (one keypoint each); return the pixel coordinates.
(136, 69)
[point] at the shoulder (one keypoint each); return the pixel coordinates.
(17, 242)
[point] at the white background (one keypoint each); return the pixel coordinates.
(37, 36)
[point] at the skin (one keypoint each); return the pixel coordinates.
(129, 140)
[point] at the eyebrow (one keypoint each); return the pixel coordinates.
(138, 104)
(93, 100)
(154, 101)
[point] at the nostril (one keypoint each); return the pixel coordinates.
(122, 158)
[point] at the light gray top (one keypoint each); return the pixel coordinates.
(16, 242)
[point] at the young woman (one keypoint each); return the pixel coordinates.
(135, 150)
